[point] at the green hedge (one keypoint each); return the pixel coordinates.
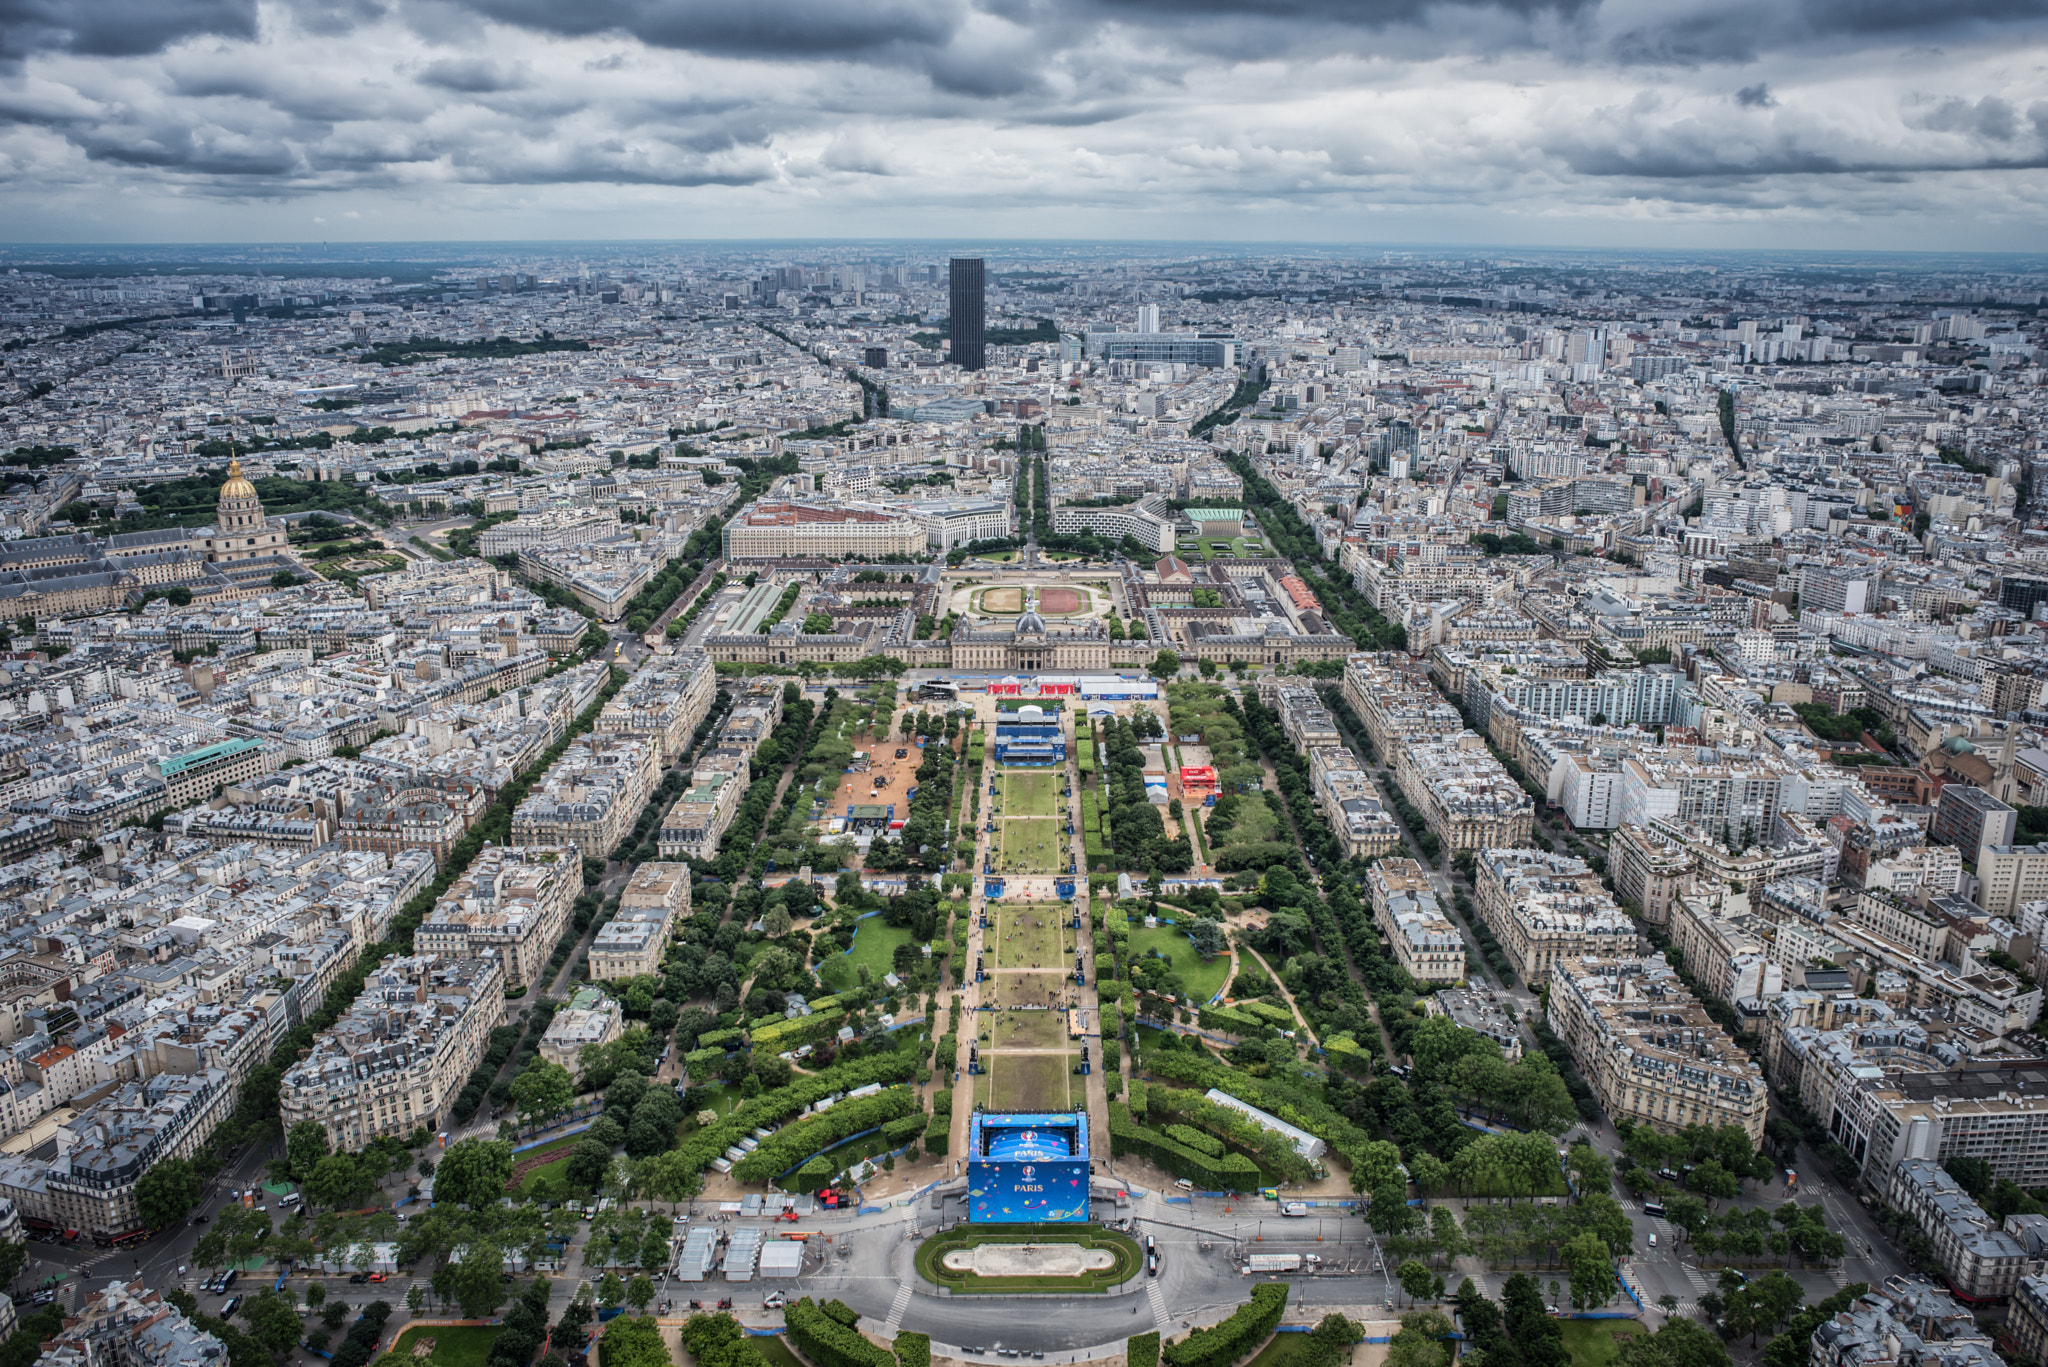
(1196, 1140)
(1280, 1017)
(1229, 1021)
(904, 1128)
(799, 1141)
(1225, 1343)
(938, 1136)
(726, 1040)
(1368, 1158)
(942, 1101)
(1142, 1351)
(1346, 1053)
(913, 1349)
(785, 1035)
(827, 1342)
(816, 1175)
(1231, 1172)
(1128, 1259)
(773, 1108)
(946, 1057)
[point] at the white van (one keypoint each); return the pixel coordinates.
(1185, 1185)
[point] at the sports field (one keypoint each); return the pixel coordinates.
(1002, 600)
(1029, 989)
(1025, 1029)
(1028, 1082)
(1032, 846)
(1031, 792)
(1031, 936)
(1059, 602)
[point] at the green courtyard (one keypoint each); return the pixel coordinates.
(1201, 978)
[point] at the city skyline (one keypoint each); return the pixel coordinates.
(1594, 125)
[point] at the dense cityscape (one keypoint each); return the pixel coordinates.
(1456, 803)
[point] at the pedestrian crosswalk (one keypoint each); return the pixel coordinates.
(1701, 1282)
(901, 1304)
(1158, 1299)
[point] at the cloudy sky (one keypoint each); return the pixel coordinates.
(1916, 124)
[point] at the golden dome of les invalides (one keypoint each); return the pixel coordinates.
(237, 486)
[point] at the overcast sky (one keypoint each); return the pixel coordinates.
(1675, 123)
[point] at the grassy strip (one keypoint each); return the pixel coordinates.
(430, 549)
(1130, 1259)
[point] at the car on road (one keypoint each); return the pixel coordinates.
(200, 1219)
(1653, 1241)
(772, 1301)
(228, 1311)
(379, 1276)
(1152, 1265)
(358, 1278)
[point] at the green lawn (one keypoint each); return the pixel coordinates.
(553, 1170)
(776, 1351)
(721, 1097)
(1202, 978)
(1592, 1342)
(1031, 792)
(1281, 1351)
(556, 1173)
(874, 944)
(1031, 845)
(1030, 936)
(461, 1346)
(1254, 822)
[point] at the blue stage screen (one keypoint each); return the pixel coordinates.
(1028, 1168)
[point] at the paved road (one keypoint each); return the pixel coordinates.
(1195, 1285)
(157, 1262)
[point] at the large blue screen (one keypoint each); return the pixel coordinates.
(1028, 1169)
(1027, 1193)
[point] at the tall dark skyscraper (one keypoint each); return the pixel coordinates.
(967, 313)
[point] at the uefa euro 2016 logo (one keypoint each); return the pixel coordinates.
(1029, 1172)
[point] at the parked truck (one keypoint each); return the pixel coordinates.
(1296, 1210)
(1280, 1262)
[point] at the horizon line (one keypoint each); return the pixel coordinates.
(1228, 247)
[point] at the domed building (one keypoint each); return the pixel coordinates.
(240, 530)
(1029, 645)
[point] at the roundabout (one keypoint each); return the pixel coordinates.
(1028, 1260)
(1025, 1260)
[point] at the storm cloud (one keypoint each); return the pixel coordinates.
(1498, 120)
